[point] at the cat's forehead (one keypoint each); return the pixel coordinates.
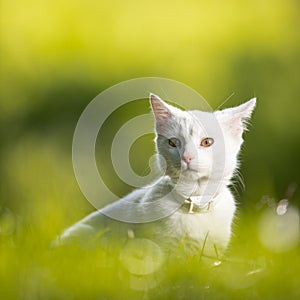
(190, 123)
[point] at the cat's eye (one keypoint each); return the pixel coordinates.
(207, 142)
(173, 142)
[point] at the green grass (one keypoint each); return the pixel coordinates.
(32, 269)
(262, 262)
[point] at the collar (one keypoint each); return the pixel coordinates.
(193, 205)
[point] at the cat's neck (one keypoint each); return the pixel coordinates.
(200, 195)
(202, 187)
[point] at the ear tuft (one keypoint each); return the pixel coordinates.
(160, 109)
(245, 110)
(237, 117)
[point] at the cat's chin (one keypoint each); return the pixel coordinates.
(191, 174)
(185, 176)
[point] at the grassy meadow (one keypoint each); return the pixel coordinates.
(56, 56)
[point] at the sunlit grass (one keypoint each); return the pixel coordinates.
(43, 198)
(32, 270)
(57, 55)
(262, 262)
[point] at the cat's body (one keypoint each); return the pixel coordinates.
(199, 152)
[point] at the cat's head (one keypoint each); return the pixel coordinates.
(199, 146)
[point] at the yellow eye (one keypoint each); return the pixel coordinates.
(207, 142)
(173, 142)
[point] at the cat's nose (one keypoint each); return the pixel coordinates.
(187, 158)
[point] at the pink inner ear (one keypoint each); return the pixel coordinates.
(236, 118)
(162, 114)
(236, 128)
(160, 111)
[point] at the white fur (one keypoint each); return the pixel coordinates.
(204, 180)
(226, 128)
(214, 226)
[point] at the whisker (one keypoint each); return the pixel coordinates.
(226, 100)
(237, 182)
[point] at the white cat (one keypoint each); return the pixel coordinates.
(193, 207)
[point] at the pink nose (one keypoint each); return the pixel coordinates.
(187, 158)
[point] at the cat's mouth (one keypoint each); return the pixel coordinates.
(191, 169)
(188, 168)
(193, 172)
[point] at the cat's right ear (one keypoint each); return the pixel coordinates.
(161, 110)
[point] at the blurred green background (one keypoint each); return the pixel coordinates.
(56, 56)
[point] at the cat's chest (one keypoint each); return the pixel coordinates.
(213, 225)
(193, 225)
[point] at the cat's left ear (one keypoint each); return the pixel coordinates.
(161, 110)
(237, 117)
